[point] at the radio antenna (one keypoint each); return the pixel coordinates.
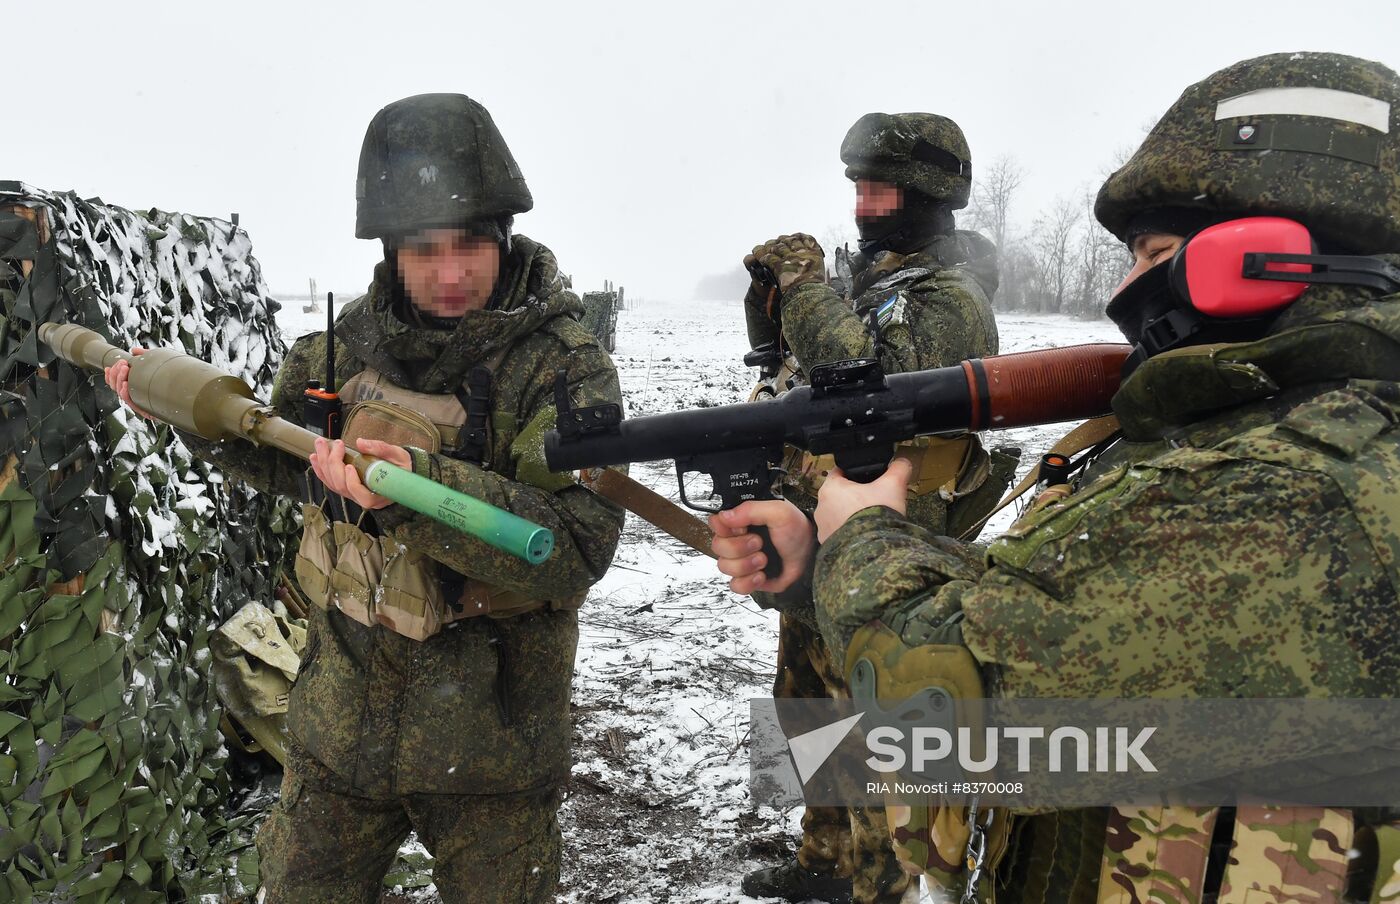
(330, 342)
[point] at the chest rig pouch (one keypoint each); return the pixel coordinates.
(372, 578)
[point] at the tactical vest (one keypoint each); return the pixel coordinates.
(376, 580)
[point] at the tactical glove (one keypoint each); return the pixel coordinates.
(792, 259)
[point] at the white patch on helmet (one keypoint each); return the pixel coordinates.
(1325, 102)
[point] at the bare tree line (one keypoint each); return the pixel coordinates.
(1066, 263)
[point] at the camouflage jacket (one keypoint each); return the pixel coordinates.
(1239, 542)
(933, 309)
(483, 706)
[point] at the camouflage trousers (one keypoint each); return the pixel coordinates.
(843, 841)
(322, 843)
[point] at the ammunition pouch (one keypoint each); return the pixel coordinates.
(256, 654)
(375, 580)
(974, 500)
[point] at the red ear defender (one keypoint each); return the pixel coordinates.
(1216, 270)
(1225, 281)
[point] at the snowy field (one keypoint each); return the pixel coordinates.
(659, 811)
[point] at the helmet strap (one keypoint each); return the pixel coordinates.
(1155, 318)
(502, 234)
(505, 276)
(1228, 281)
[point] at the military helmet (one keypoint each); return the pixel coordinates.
(1314, 137)
(435, 160)
(920, 152)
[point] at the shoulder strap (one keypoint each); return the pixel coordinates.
(475, 398)
(650, 506)
(1085, 436)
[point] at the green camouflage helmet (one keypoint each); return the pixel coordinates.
(1309, 136)
(923, 152)
(434, 160)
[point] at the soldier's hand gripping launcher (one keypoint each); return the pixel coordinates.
(850, 410)
(197, 397)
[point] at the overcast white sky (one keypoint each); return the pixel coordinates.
(661, 141)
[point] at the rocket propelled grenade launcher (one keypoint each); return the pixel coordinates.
(850, 410)
(197, 397)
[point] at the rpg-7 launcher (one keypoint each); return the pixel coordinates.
(197, 397)
(850, 410)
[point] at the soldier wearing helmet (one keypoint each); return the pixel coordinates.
(1251, 494)
(919, 297)
(433, 695)
(911, 172)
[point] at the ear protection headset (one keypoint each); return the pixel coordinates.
(1227, 280)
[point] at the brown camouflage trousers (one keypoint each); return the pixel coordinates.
(322, 844)
(843, 841)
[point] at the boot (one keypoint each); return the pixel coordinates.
(794, 882)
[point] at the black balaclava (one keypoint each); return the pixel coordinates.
(1150, 313)
(918, 221)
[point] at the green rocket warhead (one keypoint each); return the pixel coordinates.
(195, 396)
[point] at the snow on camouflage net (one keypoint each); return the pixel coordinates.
(122, 554)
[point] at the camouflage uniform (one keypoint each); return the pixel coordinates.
(932, 308)
(1238, 541)
(474, 720)
(463, 737)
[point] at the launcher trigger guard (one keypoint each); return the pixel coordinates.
(737, 476)
(681, 471)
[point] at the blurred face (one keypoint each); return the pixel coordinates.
(1148, 251)
(877, 199)
(448, 272)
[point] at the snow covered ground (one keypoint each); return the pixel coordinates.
(659, 809)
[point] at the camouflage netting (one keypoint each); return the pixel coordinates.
(122, 554)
